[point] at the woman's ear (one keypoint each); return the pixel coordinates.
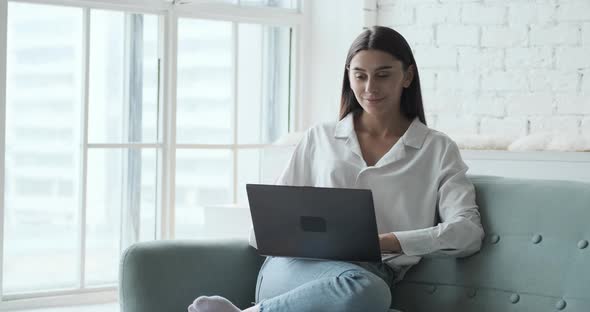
(409, 76)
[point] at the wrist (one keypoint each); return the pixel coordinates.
(389, 242)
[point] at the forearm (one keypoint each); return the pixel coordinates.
(458, 238)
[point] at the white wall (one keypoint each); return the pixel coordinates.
(333, 25)
(504, 68)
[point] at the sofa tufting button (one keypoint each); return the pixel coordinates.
(471, 293)
(560, 305)
(537, 239)
(514, 298)
(583, 244)
(431, 289)
(494, 239)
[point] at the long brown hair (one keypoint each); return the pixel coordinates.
(390, 41)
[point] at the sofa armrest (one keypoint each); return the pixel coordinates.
(166, 276)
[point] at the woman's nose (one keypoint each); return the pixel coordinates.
(371, 86)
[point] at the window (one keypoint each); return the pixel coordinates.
(44, 57)
(233, 96)
(49, 214)
(102, 149)
(286, 4)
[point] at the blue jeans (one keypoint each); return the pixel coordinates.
(299, 285)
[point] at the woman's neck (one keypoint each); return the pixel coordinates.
(381, 126)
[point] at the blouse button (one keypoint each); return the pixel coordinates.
(471, 293)
(583, 244)
(537, 239)
(431, 289)
(514, 298)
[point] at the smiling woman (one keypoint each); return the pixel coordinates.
(376, 77)
(377, 80)
(424, 204)
(381, 79)
(392, 68)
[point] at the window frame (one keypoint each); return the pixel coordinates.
(166, 145)
(3, 55)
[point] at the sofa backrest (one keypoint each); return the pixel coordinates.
(535, 256)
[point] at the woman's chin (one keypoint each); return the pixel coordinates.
(374, 109)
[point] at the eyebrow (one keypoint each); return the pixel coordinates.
(378, 68)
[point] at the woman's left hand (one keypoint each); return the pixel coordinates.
(389, 243)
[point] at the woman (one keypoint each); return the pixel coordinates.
(424, 203)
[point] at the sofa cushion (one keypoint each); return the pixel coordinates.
(533, 257)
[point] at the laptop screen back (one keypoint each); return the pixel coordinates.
(314, 222)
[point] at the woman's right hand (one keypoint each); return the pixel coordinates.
(389, 243)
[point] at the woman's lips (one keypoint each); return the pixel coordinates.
(373, 100)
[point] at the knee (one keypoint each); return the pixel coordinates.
(368, 293)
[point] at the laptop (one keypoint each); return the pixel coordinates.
(314, 222)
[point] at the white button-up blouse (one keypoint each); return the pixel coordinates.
(420, 191)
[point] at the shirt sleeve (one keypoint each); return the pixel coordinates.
(298, 169)
(297, 172)
(459, 232)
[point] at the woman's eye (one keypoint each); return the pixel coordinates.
(359, 76)
(382, 75)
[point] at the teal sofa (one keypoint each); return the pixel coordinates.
(535, 257)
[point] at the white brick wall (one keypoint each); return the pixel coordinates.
(398, 14)
(432, 57)
(451, 80)
(531, 57)
(428, 15)
(457, 35)
(554, 80)
(523, 13)
(485, 105)
(586, 34)
(586, 126)
(569, 57)
(441, 102)
(534, 103)
(447, 102)
(574, 11)
(559, 34)
(508, 127)
(456, 124)
(513, 80)
(479, 14)
(585, 81)
(499, 67)
(431, 120)
(573, 104)
(427, 79)
(471, 58)
(556, 124)
(504, 36)
(417, 35)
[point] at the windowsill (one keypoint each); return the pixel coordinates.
(70, 301)
(109, 307)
